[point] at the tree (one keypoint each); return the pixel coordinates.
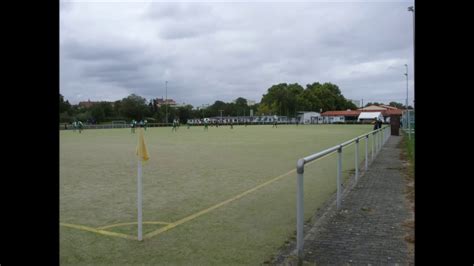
(374, 103)
(134, 107)
(241, 102)
(65, 118)
(282, 99)
(287, 99)
(101, 111)
(185, 113)
(241, 107)
(293, 93)
(275, 99)
(64, 106)
(84, 116)
(263, 109)
(397, 105)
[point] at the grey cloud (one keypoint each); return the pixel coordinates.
(93, 51)
(218, 51)
(181, 31)
(65, 6)
(177, 11)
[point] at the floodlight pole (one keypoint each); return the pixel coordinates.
(408, 112)
(412, 9)
(166, 101)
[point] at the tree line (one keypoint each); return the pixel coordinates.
(281, 99)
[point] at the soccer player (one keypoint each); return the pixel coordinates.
(174, 126)
(205, 125)
(74, 126)
(275, 118)
(145, 124)
(232, 124)
(133, 125)
(80, 125)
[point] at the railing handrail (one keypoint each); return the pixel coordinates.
(301, 162)
(380, 139)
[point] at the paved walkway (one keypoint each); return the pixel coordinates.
(369, 227)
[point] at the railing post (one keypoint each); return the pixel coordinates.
(339, 172)
(299, 208)
(366, 152)
(373, 145)
(378, 141)
(381, 139)
(357, 160)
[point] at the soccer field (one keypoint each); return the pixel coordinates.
(222, 196)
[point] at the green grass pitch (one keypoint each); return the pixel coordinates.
(190, 171)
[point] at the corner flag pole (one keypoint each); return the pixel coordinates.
(142, 154)
(139, 200)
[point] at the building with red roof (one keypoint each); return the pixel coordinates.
(352, 115)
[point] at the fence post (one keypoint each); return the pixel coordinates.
(357, 160)
(299, 208)
(338, 181)
(366, 152)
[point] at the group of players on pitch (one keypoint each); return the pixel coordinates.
(134, 124)
(217, 123)
(78, 125)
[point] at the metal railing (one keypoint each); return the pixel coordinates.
(380, 136)
(408, 122)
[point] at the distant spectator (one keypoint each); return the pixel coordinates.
(375, 124)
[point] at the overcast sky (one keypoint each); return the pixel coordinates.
(218, 50)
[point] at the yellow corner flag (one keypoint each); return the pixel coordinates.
(142, 152)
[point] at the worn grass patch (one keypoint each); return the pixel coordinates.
(407, 156)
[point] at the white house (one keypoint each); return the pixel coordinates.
(309, 117)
